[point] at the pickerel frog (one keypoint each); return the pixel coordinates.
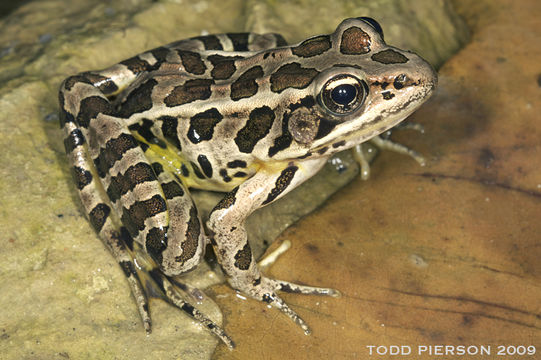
(240, 113)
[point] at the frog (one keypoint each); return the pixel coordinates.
(240, 113)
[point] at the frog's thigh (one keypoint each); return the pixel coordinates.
(185, 236)
(97, 206)
(154, 207)
(227, 218)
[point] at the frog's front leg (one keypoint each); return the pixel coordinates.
(383, 142)
(231, 245)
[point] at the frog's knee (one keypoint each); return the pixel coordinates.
(185, 246)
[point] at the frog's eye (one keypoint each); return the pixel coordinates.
(343, 94)
(373, 23)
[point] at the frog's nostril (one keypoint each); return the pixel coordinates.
(400, 81)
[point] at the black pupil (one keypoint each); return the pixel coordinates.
(344, 94)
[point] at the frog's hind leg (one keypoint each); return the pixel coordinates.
(94, 199)
(177, 300)
(117, 244)
(113, 177)
(185, 247)
(240, 43)
(169, 291)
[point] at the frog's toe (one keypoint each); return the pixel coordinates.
(303, 289)
(177, 294)
(176, 299)
(364, 153)
(274, 255)
(266, 292)
(277, 302)
(384, 142)
(291, 287)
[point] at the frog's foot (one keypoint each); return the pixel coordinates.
(266, 289)
(289, 287)
(170, 291)
(383, 142)
(156, 284)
